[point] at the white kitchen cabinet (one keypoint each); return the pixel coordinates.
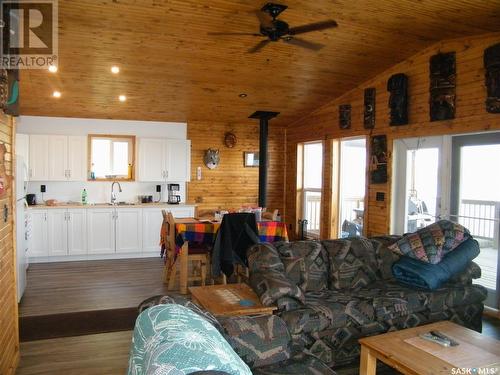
(38, 158)
(163, 160)
(22, 147)
(178, 159)
(151, 160)
(101, 230)
(77, 158)
(128, 230)
(151, 225)
(58, 158)
(57, 232)
(38, 245)
(77, 231)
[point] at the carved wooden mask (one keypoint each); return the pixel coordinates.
(398, 100)
(492, 67)
(369, 114)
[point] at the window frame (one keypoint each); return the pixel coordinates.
(302, 190)
(131, 139)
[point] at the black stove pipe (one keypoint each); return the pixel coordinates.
(264, 117)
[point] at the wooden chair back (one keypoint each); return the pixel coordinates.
(168, 231)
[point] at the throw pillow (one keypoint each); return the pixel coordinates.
(295, 270)
(432, 243)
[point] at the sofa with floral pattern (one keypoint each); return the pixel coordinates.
(331, 293)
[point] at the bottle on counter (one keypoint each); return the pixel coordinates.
(84, 196)
(92, 172)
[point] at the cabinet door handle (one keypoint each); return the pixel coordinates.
(30, 173)
(69, 173)
(166, 174)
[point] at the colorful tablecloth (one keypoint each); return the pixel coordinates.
(203, 232)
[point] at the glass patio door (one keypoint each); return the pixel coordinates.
(418, 187)
(475, 201)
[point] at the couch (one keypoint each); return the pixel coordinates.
(174, 336)
(331, 293)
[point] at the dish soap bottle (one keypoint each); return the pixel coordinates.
(84, 197)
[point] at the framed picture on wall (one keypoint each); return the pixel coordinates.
(251, 159)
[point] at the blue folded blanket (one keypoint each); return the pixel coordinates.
(416, 273)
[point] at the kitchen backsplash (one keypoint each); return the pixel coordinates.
(98, 192)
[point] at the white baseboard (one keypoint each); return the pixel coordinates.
(70, 258)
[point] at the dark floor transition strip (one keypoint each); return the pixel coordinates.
(76, 323)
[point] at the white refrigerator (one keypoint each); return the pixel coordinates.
(22, 225)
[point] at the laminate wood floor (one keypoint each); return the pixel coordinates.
(101, 354)
(91, 285)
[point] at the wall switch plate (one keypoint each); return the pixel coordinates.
(43, 189)
(198, 173)
(380, 197)
(158, 188)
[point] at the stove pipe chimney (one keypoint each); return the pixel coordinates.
(264, 117)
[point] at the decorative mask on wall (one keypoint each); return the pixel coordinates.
(211, 158)
(398, 100)
(345, 116)
(369, 114)
(9, 91)
(442, 86)
(492, 67)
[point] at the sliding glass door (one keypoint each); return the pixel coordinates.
(455, 178)
(475, 201)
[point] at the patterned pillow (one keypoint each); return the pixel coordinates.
(315, 258)
(432, 243)
(295, 270)
(172, 339)
(352, 263)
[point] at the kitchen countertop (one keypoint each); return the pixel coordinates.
(107, 205)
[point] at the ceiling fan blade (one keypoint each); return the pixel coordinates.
(229, 33)
(304, 43)
(259, 46)
(264, 18)
(312, 27)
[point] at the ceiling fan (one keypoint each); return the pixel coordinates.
(274, 30)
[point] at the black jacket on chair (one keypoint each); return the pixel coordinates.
(236, 234)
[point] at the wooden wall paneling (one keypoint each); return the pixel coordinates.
(167, 55)
(231, 185)
(9, 340)
(470, 115)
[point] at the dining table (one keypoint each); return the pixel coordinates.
(202, 231)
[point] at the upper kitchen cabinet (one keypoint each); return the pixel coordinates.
(163, 160)
(57, 158)
(38, 158)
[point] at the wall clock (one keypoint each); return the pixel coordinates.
(229, 140)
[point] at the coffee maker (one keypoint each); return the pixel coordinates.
(173, 193)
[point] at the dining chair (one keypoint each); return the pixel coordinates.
(198, 256)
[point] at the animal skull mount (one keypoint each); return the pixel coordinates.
(211, 158)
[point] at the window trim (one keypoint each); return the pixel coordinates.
(128, 138)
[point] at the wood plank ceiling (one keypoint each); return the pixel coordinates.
(172, 70)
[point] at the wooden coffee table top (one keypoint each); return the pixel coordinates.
(229, 300)
(406, 352)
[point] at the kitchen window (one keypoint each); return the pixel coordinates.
(111, 157)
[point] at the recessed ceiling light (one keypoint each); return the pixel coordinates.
(56, 94)
(53, 68)
(243, 95)
(122, 98)
(115, 69)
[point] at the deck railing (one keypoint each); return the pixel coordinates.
(348, 205)
(313, 213)
(481, 218)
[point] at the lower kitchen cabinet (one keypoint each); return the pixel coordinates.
(101, 230)
(98, 232)
(39, 234)
(128, 230)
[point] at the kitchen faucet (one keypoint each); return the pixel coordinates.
(113, 195)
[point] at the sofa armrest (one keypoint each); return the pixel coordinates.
(259, 341)
(271, 285)
(472, 271)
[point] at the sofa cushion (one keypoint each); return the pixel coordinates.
(385, 257)
(432, 243)
(353, 264)
(259, 341)
(312, 260)
(173, 339)
(328, 309)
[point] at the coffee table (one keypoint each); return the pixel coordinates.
(229, 300)
(411, 355)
